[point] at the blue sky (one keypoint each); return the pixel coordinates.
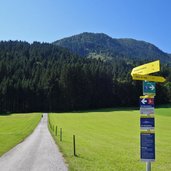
(50, 20)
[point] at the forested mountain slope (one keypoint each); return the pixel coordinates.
(101, 45)
(45, 77)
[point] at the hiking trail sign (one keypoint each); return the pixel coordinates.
(147, 146)
(147, 122)
(146, 101)
(147, 119)
(147, 68)
(141, 72)
(148, 78)
(149, 88)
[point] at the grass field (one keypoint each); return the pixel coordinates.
(108, 140)
(15, 128)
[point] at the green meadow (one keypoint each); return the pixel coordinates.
(15, 128)
(109, 140)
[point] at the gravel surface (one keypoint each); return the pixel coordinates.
(37, 153)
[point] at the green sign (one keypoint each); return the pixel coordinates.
(149, 88)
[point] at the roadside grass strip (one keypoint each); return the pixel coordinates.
(15, 128)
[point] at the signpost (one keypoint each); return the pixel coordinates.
(147, 68)
(149, 110)
(149, 88)
(148, 78)
(147, 119)
(147, 146)
(147, 122)
(146, 101)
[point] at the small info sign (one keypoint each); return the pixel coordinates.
(148, 110)
(149, 88)
(147, 146)
(147, 123)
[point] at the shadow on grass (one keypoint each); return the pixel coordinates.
(164, 106)
(18, 113)
(79, 156)
(100, 110)
(5, 114)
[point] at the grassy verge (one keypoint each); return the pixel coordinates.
(108, 140)
(15, 128)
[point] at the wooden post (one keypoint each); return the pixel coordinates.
(74, 145)
(56, 131)
(60, 134)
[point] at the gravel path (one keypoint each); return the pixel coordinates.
(37, 153)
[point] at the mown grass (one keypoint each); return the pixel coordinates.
(108, 140)
(15, 128)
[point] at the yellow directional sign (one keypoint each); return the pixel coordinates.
(148, 78)
(147, 68)
(146, 96)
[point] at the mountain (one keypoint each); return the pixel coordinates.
(100, 45)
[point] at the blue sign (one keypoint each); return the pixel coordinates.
(146, 102)
(147, 123)
(149, 88)
(147, 146)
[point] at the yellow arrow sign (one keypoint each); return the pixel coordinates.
(146, 68)
(148, 78)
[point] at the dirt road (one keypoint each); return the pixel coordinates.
(37, 153)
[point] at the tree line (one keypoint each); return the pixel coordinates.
(45, 77)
